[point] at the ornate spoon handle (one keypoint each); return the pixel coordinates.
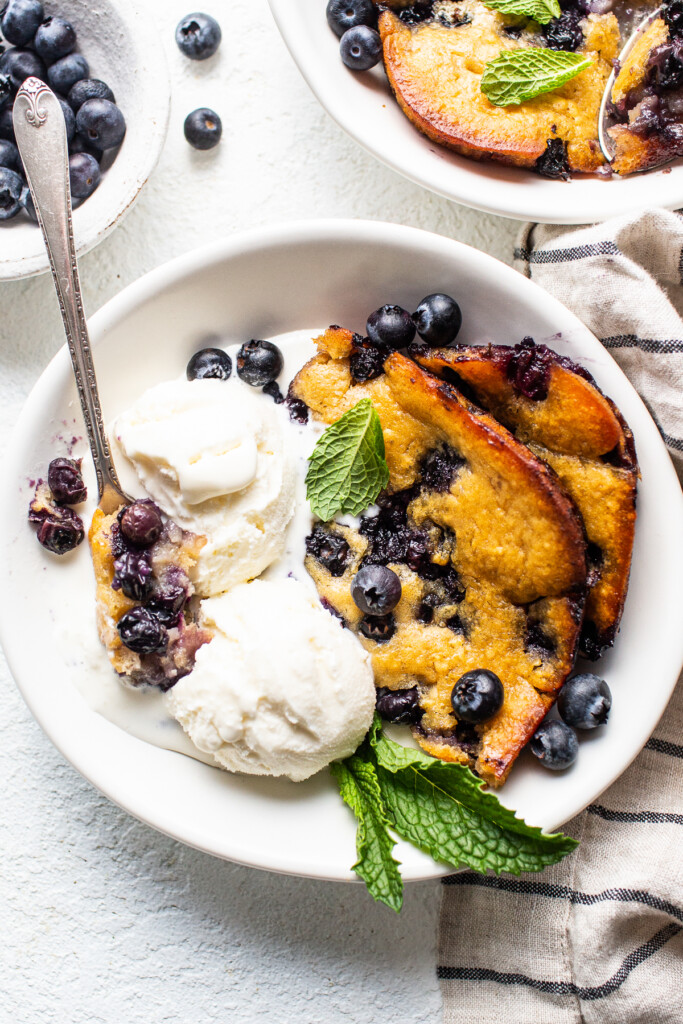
(41, 139)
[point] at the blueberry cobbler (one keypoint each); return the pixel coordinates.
(521, 81)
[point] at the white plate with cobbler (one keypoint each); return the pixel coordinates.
(505, 524)
(423, 111)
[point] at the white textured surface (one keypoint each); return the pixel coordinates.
(104, 920)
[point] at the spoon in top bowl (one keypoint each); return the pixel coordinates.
(41, 139)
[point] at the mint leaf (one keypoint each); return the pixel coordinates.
(541, 11)
(518, 75)
(347, 469)
(360, 790)
(441, 808)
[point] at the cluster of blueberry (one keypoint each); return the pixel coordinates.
(44, 47)
(198, 37)
(60, 529)
(144, 629)
(354, 21)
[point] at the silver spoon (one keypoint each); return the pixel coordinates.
(606, 143)
(41, 138)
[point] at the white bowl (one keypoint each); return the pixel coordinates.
(261, 284)
(124, 49)
(363, 105)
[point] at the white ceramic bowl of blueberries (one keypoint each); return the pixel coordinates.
(121, 50)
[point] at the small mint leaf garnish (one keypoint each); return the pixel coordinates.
(518, 75)
(442, 809)
(347, 469)
(360, 790)
(541, 11)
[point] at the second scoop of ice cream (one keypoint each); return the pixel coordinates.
(213, 456)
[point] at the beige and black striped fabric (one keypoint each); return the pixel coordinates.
(597, 939)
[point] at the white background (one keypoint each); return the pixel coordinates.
(105, 921)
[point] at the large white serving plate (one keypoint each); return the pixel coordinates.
(260, 284)
(363, 105)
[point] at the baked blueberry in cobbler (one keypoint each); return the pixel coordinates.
(59, 528)
(145, 613)
(467, 580)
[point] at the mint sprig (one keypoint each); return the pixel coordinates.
(439, 807)
(541, 11)
(377, 867)
(347, 469)
(518, 75)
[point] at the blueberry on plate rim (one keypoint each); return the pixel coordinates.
(203, 128)
(477, 696)
(584, 701)
(391, 327)
(259, 363)
(554, 744)
(360, 48)
(345, 14)
(198, 36)
(213, 363)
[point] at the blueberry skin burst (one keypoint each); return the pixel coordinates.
(259, 363)
(345, 14)
(141, 632)
(20, 65)
(477, 696)
(64, 73)
(65, 480)
(101, 122)
(401, 706)
(555, 745)
(360, 48)
(84, 175)
(203, 128)
(209, 362)
(198, 36)
(391, 326)
(438, 319)
(11, 187)
(20, 21)
(585, 701)
(89, 89)
(376, 590)
(9, 156)
(54, 39)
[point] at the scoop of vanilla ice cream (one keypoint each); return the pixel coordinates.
(281, 689)
(211, 453)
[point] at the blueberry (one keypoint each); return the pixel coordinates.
(79, 144)
(367, 360)
(272, 389)
(6, 123)
(565, 32)
(585, 701)
(11, 186)
(101, 122)
(345, 14)
(360, 48)
(141, 523)
(328, 548)
(399, 705)
(69, 119)
(20, 21)
(9, 156)
(54, 38)
(28, 205)
(377, 628)
(20, 65)
(554, 744)
(64, 73)
(376, 590)
(61, 534)
(391, 326)
(438, 319)
(203, 128)
(198, 36)
(89, 89)
(209, 362)
(141, 632)
(166, 603)
(477, 696)
(84, 174)
(5, 88)
(65, 480)
(133, 574)
(259, 362)
(673, 16)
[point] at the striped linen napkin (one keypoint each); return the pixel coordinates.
(598, 938)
